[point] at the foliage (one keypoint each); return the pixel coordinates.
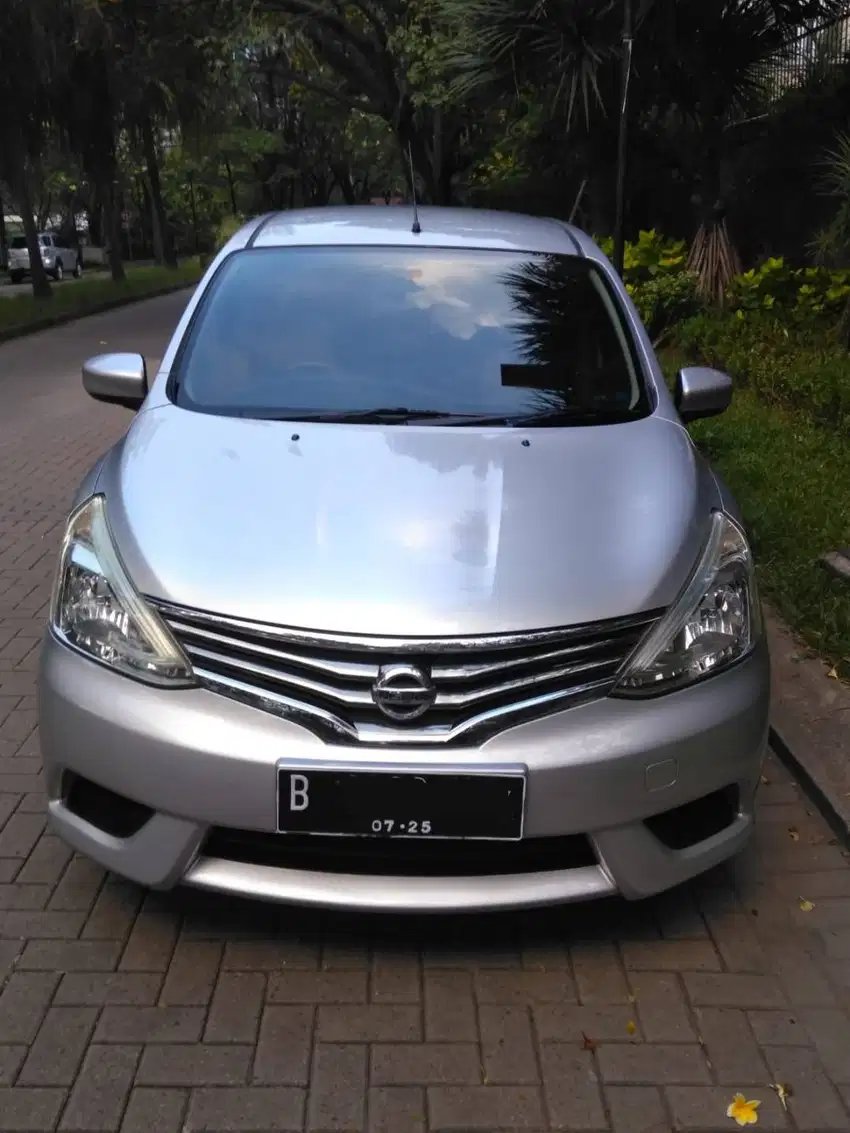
(228, 226)
(799, 292)
(783, 363)
(651, 255)
(665, 300)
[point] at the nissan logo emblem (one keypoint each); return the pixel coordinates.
(403, 692)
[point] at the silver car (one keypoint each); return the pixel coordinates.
(57, 258)
(407, 588)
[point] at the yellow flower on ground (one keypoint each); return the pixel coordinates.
(742, 1111)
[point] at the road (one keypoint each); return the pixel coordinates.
(156, 1013)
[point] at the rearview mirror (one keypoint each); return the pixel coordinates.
(702, 392)
(119, 379)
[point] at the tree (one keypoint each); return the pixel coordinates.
(25, 99)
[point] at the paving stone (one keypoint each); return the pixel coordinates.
(228, 1109)
(485, 1107)
(523, 987)
(97, 1100)
(155, 1111)
(236, 1005)
(191, 976)
(11, 1060)
(642, 1064)
(730, 1045)
(372, 1022)
(671, 956)
(829, 1030)
(571, 1085)
(396, 1109)
(661, 1008)
(425, 1064)
(636, 1109)
(317, 987)
(150, 1025)
(23, 1004)
(270, 955)
(69, 956)
(195, 1064)
(728, 989)
(507, 1045)
(599, 974)
(114, 911)
(282, 1054)
(569, 1023)
(152, 939)
(396, 978)
(58, 1050)
(449, 1007)
(89, 989)
(778, 1028)
(26, 1109)
(337, 1099)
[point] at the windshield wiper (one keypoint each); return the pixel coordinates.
(392, 415)
(580, 415)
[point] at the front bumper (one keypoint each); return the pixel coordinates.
(201, 761)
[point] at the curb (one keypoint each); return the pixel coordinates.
(10, 333)
(810, 785)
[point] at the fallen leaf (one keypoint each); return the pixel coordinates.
(765, 779)
(742, 1111)
(833, 673)
(103, 342)
(631, 1026)
(795, 833)
(805, 905)
(783, 1093)
(587, 1043)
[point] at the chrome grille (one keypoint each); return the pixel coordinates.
(324, 681)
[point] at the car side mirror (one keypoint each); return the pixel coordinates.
(702, 392)
(119, 379)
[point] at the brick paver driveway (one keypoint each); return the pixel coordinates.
(124, 1010)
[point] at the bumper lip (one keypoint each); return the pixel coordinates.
(376, 894)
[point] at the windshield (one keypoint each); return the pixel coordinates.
(332, 333)
(18, 242)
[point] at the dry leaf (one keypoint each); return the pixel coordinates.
(631, 1026)
(833, 673)
(783, 1093)
(742, 1111)
(765, 779)
(795, 833)
(805, 905)
(587, 1043)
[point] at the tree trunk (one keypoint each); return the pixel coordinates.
(160, 220)
(4, 238)
(41, 288)
(231, 187)
(108, 194)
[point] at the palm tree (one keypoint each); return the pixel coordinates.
(698, 70)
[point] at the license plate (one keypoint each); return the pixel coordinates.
(404, 804)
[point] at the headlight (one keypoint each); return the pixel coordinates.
(714, 622)
(97, 610)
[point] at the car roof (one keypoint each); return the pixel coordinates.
(393, 225)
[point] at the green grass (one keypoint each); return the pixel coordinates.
(72, 299)
(790, 477)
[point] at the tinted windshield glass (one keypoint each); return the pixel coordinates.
(290, 332)
(19, 242)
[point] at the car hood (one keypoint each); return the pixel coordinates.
(410, 530)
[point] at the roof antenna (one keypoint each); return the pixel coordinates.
(416, 229)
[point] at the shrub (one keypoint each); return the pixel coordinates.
(665, 300)
(785, 365)
(652, 255)
(228, 226)
(803, 293)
